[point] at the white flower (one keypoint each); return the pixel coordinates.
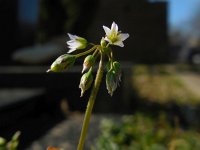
(115, 37)
(76, 42)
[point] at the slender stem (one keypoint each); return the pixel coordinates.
(108, 45)
(95, 52)
(86, 52)
(92, 44)
(90, 104)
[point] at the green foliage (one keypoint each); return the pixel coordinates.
(10, 145)
(141, 132)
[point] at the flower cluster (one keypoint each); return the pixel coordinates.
(113, 76)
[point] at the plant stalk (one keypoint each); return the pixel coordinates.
(90, 104)
(86, 52)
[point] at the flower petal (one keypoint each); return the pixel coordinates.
(70, 42)
(123, 36)
(72, 37)
(107, 30)
(119, 43)
(71, 50)
(114, 27)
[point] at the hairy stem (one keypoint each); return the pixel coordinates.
(86, 52)
(90, 105)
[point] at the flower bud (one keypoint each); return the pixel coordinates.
(88, 62)
(86, 81)
(111, 83)
(103, 42)
(113, 76)
(16, 136)
(62, 63)
(2, 142)
(76, 42)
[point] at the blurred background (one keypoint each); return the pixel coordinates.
(156, 106)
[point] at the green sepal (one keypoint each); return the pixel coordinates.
(83, 42)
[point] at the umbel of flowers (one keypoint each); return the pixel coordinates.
(102, 52)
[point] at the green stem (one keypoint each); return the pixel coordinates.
(90, 104)
(86, 52)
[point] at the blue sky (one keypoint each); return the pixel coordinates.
(180, 11)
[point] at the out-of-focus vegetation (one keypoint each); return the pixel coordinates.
(167, 83)
(10, 145)
(141, 132)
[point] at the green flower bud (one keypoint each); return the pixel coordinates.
(113, 76)
(111, 83)
(63, 62)
(103, 42)
(86, 81)
(76, 42)
(2, 142)
(13, 144)
(88, 62)
(15, 137)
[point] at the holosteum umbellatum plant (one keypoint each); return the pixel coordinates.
(101, 52)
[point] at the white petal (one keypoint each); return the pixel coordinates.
(70, 35)
(73, 37)
(73, 43)
(72, 47)
(71, 50)
(107, 30)
(119, 43)
(114, 27)
(70, 42)
(123, 36)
